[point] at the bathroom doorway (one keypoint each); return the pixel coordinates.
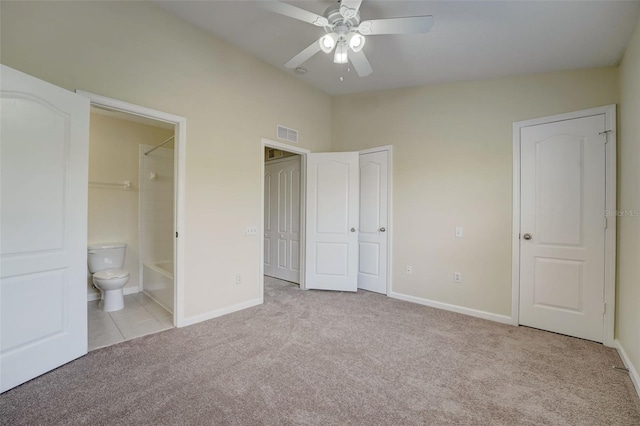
(136, 158)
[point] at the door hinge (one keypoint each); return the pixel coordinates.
(604, 308)
(176, 234)
(606, 223)
(605, 133)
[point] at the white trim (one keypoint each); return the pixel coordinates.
(609, 112)
(222, 311)
(376, 149)
(283, 147)
(303, 197)
(126, 291)
(180, 143)
(389, 226)
(611, 233)
(140, 221)
(503, 319)
(633, 373)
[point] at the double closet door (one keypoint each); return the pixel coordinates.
(282, 200)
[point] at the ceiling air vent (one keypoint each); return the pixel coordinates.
(286, 134)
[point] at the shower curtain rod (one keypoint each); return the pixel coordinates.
(156, 147)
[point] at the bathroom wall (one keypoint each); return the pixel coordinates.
(156, 204)
(113, 158)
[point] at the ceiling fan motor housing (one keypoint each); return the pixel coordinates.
(336, 20)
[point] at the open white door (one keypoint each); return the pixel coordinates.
(373, 237)
(43, 226)
(332, 221)
(562, 249)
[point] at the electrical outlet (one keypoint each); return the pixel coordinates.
(238, 279)
(457, 277)
(409, 270)
(459, 232)
(251, 230)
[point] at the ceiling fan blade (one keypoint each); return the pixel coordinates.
(294, 12)
(303, 56)
(349, 8)
(408, 25)
(360, 63)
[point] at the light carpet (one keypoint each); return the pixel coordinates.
(328, 358)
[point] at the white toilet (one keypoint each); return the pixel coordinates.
(105, 263)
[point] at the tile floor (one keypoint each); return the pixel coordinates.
(140, 316)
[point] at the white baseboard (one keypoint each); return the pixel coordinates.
(95, 296)
(219, 312)
(504, 319)
(635, 378)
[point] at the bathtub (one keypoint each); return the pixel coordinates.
(157, 283)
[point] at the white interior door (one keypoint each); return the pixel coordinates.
(282, 219)
(372, 236)
(43, 255)
(332, 221)
(269, 221)
(563, 227)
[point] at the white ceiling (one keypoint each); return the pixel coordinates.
(470, 39)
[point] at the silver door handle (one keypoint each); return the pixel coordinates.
(527, 236)
(353, 229)
(382, 229)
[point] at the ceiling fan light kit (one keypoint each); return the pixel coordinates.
(327, 42)
(340, 57)
(345, 31)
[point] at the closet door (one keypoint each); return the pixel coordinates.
(282, 219)
(268, 221)
(373, 236)
(332, 221)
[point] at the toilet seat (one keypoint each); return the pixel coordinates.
(109, 274)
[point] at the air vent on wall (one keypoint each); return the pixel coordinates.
(286, 134)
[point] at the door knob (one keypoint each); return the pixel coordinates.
(527, 236)
(382, 229)
(353, 229)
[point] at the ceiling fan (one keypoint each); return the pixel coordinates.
(346, 31)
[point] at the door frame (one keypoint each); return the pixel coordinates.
(389, 150)
(180, 143)
(267, 143)
(609, 112)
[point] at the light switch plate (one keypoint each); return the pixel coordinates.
(459, 232)
(251, 230)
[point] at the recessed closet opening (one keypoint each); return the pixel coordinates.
(327, 218)
(283, 208)
(282, 214)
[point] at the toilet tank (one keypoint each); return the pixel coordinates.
(106, 256)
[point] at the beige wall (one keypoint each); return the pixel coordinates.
(628, 295)
(452, 144)
(453, 167)
(136, 52)
(113, 158)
